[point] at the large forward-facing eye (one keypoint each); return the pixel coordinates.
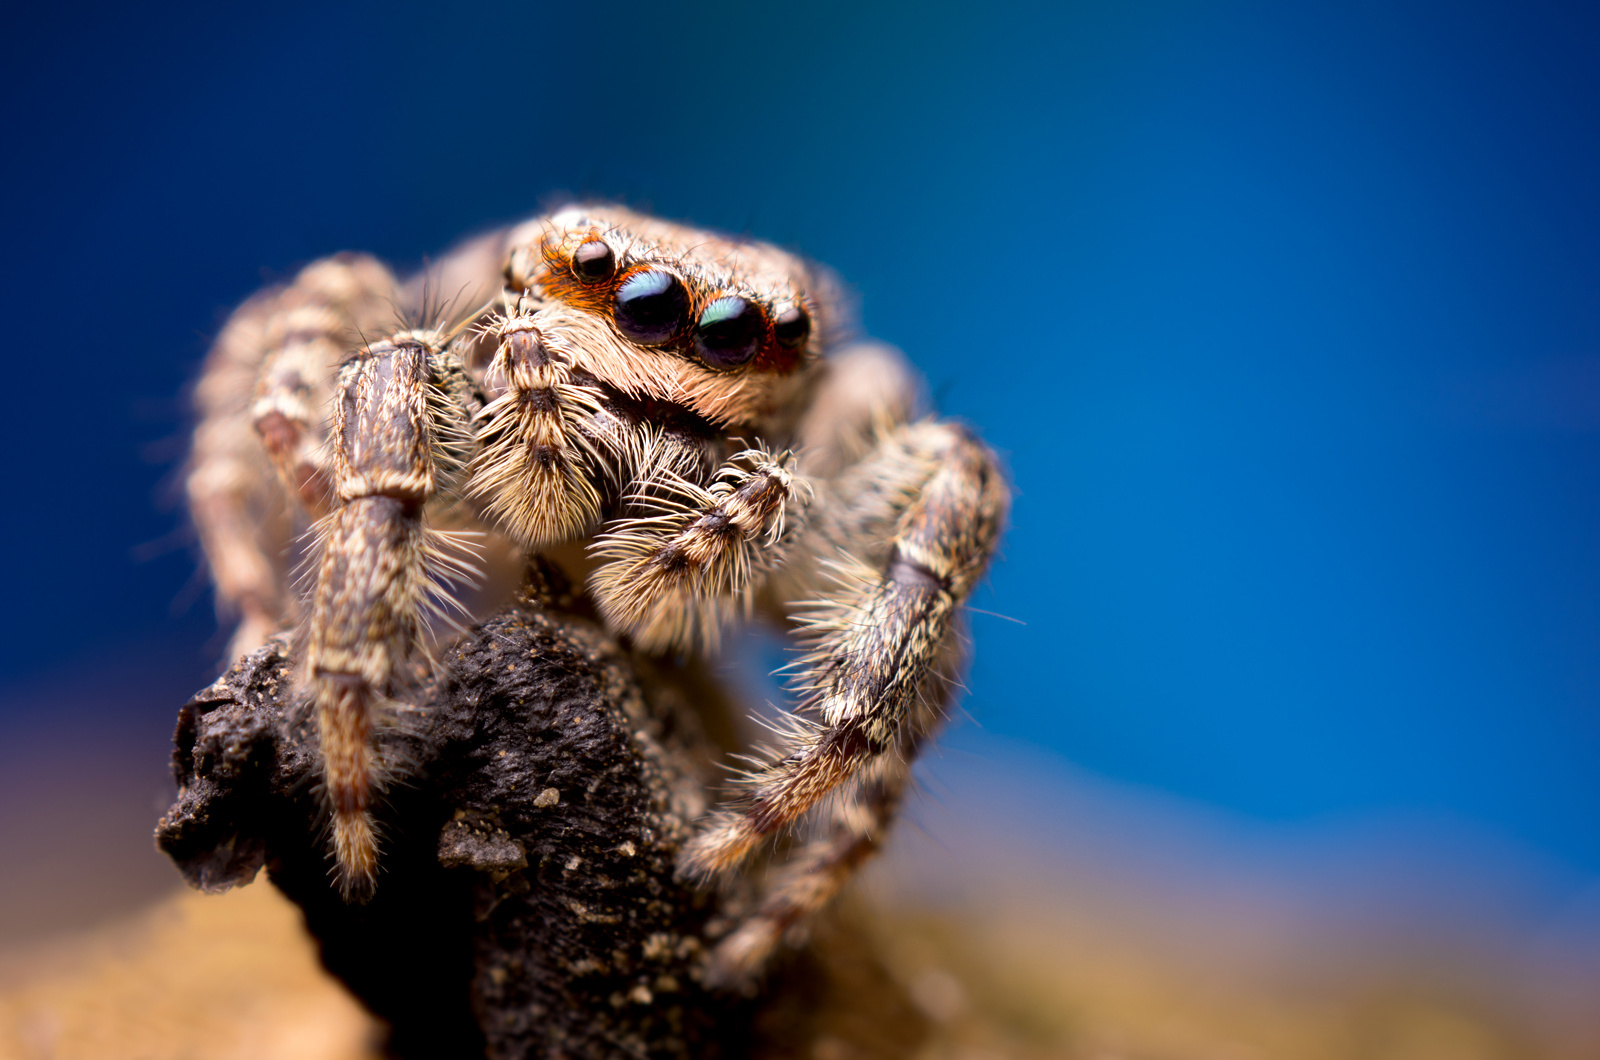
(593, 261)
(730, 332)
(652, 306)
(792, 327)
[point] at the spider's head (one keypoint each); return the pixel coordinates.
(722, 327)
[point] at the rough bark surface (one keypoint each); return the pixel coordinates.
(541, 784)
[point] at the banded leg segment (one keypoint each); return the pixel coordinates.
(881, 636)
(673, 579)
(257, 462)
(400, 428)
(321, 317)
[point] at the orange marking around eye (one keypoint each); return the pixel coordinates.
(559, 283)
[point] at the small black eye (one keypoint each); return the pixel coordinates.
(652, 307)
(730, 332)
(792, 328)
(593, 261)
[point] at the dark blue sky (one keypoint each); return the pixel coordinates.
(1285, 316)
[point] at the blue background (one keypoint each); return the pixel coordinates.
(1285, 317)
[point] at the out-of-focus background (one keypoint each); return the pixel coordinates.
(1285, 317)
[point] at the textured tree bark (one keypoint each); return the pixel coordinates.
(542, 780)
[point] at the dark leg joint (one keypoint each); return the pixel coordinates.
(910, 573)
(850, 743)
(526, 350)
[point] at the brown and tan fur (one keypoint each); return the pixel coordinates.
(798, 483)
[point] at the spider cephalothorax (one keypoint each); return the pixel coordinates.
(690, 412)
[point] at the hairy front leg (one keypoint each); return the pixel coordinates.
(673, 579)
(882, 629)
(401, 436)
(536, 468)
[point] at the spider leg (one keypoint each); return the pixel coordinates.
(672, 579)
(535, 471)
(400, 433)
(852, 833)
(259, 448)
(307, 340)
(878, 632)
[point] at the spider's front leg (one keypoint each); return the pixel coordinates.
(911, 528)
(400, 437)
(673, 579)
(537, 466)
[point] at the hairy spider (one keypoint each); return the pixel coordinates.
(692, 413)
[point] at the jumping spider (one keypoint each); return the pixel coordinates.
(680, 418)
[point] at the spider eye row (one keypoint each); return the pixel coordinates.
(652, 307)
